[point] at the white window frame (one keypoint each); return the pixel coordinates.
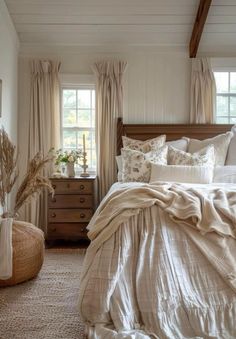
(75, 81)
(224, 65)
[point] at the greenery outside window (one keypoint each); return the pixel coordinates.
(225, 97)
(78, 119)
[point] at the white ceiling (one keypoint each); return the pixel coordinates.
(121, 22)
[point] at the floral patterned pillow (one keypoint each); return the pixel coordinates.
(137, 165)
(144, 146)
(204, 157)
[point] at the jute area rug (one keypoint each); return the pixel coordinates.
(45, 307)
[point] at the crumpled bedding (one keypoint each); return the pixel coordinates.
(155, 278)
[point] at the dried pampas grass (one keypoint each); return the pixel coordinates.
(33, 182)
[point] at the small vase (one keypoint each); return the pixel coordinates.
(70, 169)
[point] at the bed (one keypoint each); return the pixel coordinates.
(161, 263)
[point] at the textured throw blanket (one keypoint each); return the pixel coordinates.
(206, 215)
(6, 248)
(207, 209)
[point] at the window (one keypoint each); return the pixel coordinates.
(225, 97)
(78, 119)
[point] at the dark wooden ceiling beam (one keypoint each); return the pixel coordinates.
(200, 20)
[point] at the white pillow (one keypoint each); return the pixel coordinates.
(225, 174)
(220, 142)
(182, 174)
(181, 144)
(137, 165)
(205, 157)
(144, 146)
(231, 156)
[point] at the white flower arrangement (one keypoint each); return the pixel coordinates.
(67, 156)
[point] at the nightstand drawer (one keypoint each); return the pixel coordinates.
(72, 186)
(67, 231)
(69, 215)
(70, 201)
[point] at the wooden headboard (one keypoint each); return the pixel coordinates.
(173, 132)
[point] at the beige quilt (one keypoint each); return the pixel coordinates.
(161, 263)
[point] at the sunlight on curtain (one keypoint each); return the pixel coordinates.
(203, 92)
(109, 102)
(44, 126)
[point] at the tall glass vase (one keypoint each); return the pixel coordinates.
(70, 169)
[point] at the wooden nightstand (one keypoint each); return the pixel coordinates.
(71, 208)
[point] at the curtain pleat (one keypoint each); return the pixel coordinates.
(203, 92)
(44, 126)
(109, 106)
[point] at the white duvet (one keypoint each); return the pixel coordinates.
(154, 278)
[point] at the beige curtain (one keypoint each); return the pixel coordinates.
(109, 101)
(203, 92)
(44, 125)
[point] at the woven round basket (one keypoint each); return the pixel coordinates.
(28, 252)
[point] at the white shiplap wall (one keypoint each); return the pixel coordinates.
(157, 89)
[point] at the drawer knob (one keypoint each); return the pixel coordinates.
(81, 200)
(54, 186)
(82, 215)
(82, 187)
(53, 215)
(54, 199)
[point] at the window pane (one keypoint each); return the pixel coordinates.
(93, 140)
(87, 139)
(233, 82)
(69, 98)
(221, 105)
(89, 158)
(222, 82)
(93, 99)
(233, 120)
(69, 139)
(222, 120)
(84, 118)
(84, 98)
(93, 118)
(78, 111)
(232, 105)
(69, 117)
(93, 158)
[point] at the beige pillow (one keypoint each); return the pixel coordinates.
(220, 143)
(205, 157)
(144, 146)
(137, 165)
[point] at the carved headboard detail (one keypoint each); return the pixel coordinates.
(173, 132)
